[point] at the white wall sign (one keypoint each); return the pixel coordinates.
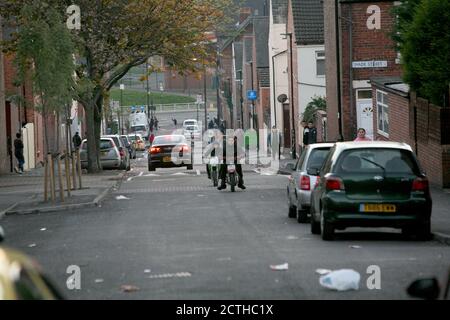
(369, 64)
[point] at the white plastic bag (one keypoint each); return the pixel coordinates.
(341, 280)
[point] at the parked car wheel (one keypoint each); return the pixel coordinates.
(302, 216)
(315, 226)
(423, 231)
(326, 227)
(292, 211)
(151, 168)
(190, 167)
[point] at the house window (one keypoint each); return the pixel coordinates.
(320, 63)
(383, 113)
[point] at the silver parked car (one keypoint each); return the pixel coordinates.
(109, 154)
(303, 179)
(123, 151)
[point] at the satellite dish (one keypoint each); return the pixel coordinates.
(282, 98)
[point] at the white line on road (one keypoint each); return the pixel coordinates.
(198, 172)
(141, 173)
(170, 275)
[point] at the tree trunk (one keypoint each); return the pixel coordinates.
(92, 154)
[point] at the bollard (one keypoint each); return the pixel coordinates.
(60, 180)
(52, 178)
(67, 171)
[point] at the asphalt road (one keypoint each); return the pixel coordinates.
(177, 237)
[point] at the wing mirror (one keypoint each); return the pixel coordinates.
(427, 289)
(2, 234)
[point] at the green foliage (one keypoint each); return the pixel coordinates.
(425, 50)
(135, 97)
(317, 103)
(44, 52)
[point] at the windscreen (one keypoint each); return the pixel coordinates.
(168, 140)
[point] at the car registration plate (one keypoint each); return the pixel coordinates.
(166, 159)
(375, 207)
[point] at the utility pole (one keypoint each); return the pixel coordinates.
(291, 98)
(205, 126)
(148, 92)
(241, 100)
(338, 69)
(122, 87)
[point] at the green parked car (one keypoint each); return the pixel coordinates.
(371, 184)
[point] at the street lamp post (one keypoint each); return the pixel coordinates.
(148, 92)
(205, 126)
(122, 87)
(241, 100)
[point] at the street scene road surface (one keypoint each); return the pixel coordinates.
(171, 235)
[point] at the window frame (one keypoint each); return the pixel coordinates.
(381, 106)
(320, 58)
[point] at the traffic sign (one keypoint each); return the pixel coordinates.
(252, 95)
(142, 108)
(133, 108)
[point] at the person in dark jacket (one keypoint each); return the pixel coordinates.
(18, 153)
(76, 140)
(309, 134)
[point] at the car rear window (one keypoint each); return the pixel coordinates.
(125, 141)
(377, 160)
(105, 144)
(189, 123)
(317, 158)
(168, 139)
(138, 128)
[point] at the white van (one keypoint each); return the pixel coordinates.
(189, 122)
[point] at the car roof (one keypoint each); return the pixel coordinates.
(190, 120)
(320, 145)
(373, 144)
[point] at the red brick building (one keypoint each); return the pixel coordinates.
(366, 51)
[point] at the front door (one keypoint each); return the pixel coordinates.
(286, 126)
(364, 111)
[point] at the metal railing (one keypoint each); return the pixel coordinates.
(172, 107)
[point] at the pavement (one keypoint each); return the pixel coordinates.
(440, 217)
(24, 194)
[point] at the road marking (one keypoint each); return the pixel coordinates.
(141, 173)
(160, 180)
(198, 172)
(170, 275)
(179, 174)
(152, 175)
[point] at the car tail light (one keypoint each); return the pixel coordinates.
(185, 148)
(334, 183)
(139, 141)
(305, 183)
(420, 184)
(155, 150)
(122, 153)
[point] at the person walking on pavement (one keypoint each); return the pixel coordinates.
(76, 140)
(18, 153)
(274, 142)
(156, 123)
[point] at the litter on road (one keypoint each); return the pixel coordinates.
(43, 229)
(280, 267)
(341, 280)
(355, 247)
(122, 198)
(147, 271)
(323, 271)
(99, 280)
(128, 288)
(32, 245)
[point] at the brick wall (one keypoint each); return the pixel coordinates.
(366, 45)
(432, 150)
